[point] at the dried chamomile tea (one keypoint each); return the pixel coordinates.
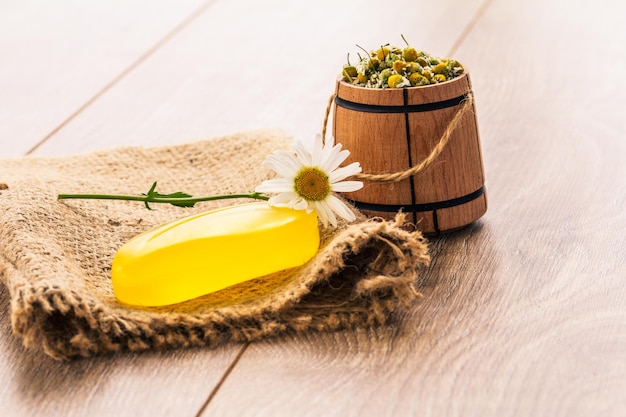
(393, 67)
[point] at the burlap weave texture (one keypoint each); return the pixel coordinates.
(55, 256)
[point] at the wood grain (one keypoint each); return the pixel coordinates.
(524, 311)
(160, 101)
(153, 384)
(56, 56)
(63, 54)
(249, 65)
(389, 143)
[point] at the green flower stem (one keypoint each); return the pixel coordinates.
(179, 198)
(182, 201)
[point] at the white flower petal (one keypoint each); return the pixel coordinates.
(325, 157)
(346, 186)
(334, 159)
(344, 172)
(340, 208)
(328, 152)
(302, 153)
(317, 153)
(321, 215)
(276, 185)
(280, 168)
(330, 141)
(284, 163)
(325, 214)
(283, 199)
(298, 203)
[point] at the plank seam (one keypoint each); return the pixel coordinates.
(222, 380)
(151, 51)
(470, 26)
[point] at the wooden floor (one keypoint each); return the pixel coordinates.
(524, 312)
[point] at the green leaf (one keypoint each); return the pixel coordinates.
(178, 199)
(153, 194)
(178, 194)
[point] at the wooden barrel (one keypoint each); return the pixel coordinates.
(392, 130)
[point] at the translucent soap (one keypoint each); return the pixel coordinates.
(210, 251)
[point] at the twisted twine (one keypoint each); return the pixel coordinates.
(434, 154)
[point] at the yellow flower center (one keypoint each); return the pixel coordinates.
(312, 184)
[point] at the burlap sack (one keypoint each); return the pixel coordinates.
(55, 256)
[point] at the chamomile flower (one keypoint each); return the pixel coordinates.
(309, 179)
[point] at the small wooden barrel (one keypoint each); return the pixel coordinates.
(391, 130)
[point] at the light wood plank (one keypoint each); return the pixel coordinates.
(56, 56)
(153, 384)
(248, 65)
(133, 386)
(524, 312)
(63, 54)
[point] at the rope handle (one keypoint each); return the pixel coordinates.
(434, 154)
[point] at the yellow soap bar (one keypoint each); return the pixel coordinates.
(210, 251)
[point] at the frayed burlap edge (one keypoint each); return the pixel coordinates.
(361, 275)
